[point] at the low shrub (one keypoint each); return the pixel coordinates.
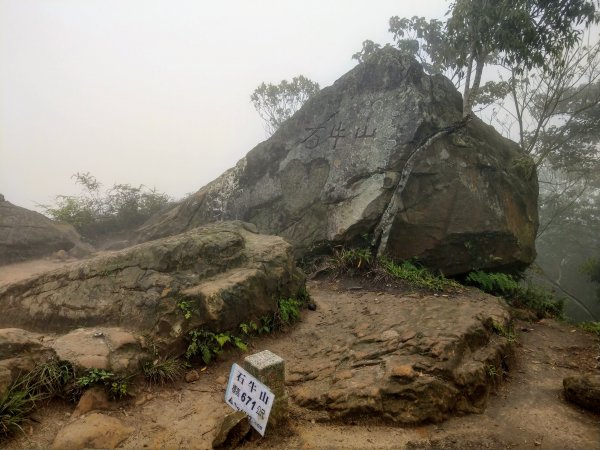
(97, 212)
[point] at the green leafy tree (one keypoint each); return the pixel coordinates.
(554, 112)
(277, 103)
(427, 40)
(368, 48)
(523, 34)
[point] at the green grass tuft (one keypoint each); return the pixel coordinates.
(417, 277)
(591, 327)
(163, 370)
(20, 399)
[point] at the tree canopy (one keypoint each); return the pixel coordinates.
(277, 103)
(524, 34)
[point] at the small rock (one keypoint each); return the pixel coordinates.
(61, 255)
(192, 376)
(221, 380)
(583, 390)
(93, 431)
(234, 428)
(403, 371)
(343, 375)
(107, 348)
(389, 335)
(312, 306)
(92, 399)
(144, 399)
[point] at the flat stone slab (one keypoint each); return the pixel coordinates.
(215, 276)
(404, 358)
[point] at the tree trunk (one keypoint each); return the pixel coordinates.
(467, 82)
(471, 93)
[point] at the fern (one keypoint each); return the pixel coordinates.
(494, 283)
(531, 297)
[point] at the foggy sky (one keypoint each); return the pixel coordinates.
(157, 92)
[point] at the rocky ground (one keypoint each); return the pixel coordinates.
(345, 346)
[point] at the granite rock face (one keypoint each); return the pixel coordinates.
(381, 154)
(215, 276)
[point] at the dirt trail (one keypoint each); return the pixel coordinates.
(526, 411)
(20, 271)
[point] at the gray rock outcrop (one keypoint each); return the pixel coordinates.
(215, 276)
(26, 234)
(384, 154)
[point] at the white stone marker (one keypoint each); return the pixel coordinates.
(246, 393)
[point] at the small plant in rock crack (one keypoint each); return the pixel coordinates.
(115, 385)
(351, 260)
(249, 328)
(93, 377)
(163, 370)
(186, 308)
(507, 332)
(491, 369)
(289, 310)
(119, 388)
(209, 345)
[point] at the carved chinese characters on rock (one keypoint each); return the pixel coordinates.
(334, 131)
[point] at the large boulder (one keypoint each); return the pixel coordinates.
(382, 154)
(215, 276)
(26, 234)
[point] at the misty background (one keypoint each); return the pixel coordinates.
(158, 92)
